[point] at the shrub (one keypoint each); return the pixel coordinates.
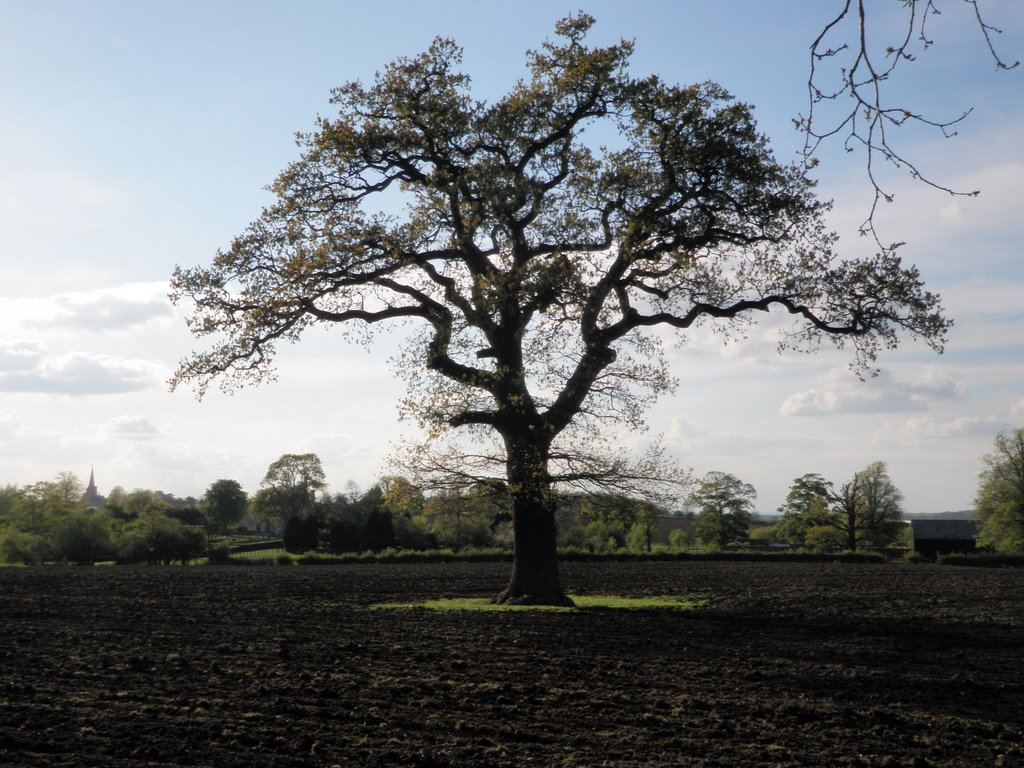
(23, 548)
(157, 539)
(83, 538)
(219, 555)
(680, 539)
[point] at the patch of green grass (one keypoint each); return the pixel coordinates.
(583, 603)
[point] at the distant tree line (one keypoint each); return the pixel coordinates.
(50, 521)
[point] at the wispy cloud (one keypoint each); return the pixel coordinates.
(920, 429)
(130, 427)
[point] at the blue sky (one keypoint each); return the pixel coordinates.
(140, 135)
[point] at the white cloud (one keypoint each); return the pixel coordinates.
(811, 402)
(79, 374)
(920, 429)
(1017, 411)
(892, 392)
(122, 308)
(20, 354)
(130, 427)
(8, 425)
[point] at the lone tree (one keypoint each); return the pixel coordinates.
(542, 270)
(868, 510)
(724, 505)
(290, 487)
(225, 503)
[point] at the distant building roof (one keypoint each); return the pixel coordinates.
(944, 529)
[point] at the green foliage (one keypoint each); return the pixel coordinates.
(999, 502)
(290, 487)
(413, 532)
(806, 506)
(638, 537)
(219, 555)
(466, 518)
(679, 539)
(225, 503)
(22, 547)
(582, 602)
(84, 538)
(766, 533)
(157, 539)
(724, 506)
(868, 510)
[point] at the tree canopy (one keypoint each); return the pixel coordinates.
(541, 269)
(724, 506)
(290, 487)
(1000, 499)
(225, 503)
(868, 510)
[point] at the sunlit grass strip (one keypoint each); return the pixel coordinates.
(583, 603)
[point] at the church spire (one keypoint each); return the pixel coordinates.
(92, 495)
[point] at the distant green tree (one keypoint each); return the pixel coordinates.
(868, 510)
(225, 503)
(70, 489)
(400, 496)
(622, 513)
(24, 548)
(380, 530)
(999, 503)
(157, 539)
(84, 538)
(724, 505)
(460, 519)
(806, 506)
(638, 537)
(301, 534)
(679, 539)
(291, 485)
(8, 498)
(413, 532)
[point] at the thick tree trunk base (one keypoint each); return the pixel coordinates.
(534, 582)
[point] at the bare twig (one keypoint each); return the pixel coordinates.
(862, 79)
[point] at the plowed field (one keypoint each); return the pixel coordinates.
(794, 664)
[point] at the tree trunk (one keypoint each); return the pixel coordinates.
(535, 577)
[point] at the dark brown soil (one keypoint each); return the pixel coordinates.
(791, 665)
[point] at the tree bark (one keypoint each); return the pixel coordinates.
(535, 576)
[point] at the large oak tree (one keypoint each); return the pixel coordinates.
(549, 242)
